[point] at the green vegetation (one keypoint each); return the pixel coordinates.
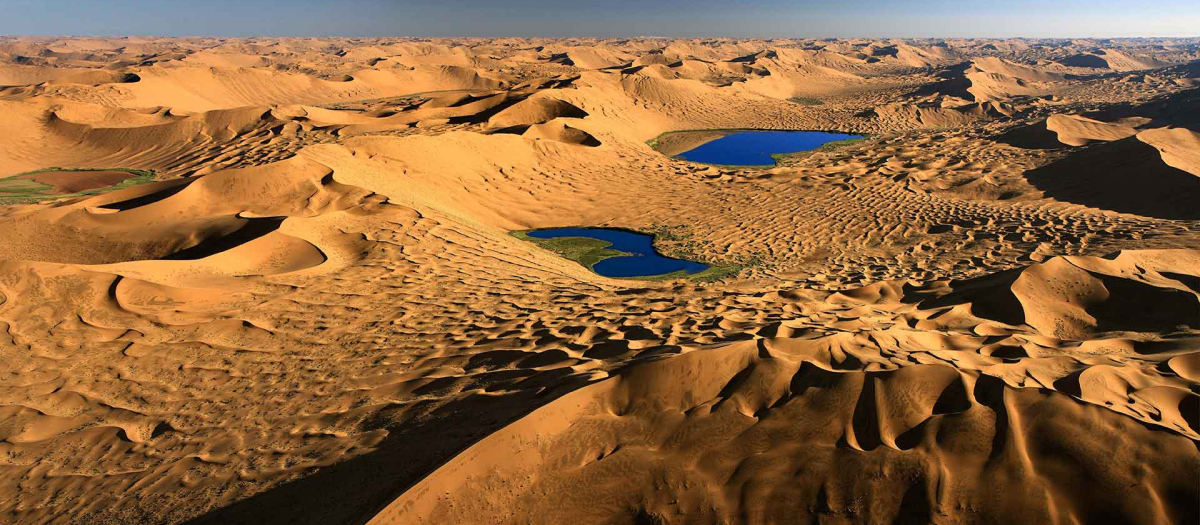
(780, 158)
(676, 241)
(653, 143)
(672, 241)
(806, 101)
(714, 273)
(583, 250)
(16, 189)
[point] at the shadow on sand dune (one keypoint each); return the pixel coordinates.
(1179, 110)
(354, 491)
(253, 229)
(1126, 176)
(1036, 136)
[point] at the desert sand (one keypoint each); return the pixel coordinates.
(986, 312)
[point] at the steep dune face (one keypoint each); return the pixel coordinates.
(1069, 300)
(535, 111)
(851, 427)
(1075, 130)
(1000, 81)
(560, 132)
(1021, 72)
(931, 115)
(985, 312)
(204, 217)
(1179, 147)
(71, 134)
(1126, 175)
(816, 454)
(588, 57)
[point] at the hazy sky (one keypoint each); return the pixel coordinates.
(603, 18)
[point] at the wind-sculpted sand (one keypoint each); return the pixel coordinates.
(986, 312)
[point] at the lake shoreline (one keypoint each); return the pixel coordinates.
(746, 148)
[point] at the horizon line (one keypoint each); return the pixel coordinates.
(645, 37)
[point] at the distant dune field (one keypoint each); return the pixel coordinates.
(275, 280)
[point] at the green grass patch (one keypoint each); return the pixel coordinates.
(780, 158)
(806, 101)
(734, 166)
(22, 187)
(583, 250)
(17, 190)
(671, 241)
(714, 273)
(678, 242)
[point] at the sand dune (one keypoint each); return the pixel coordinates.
(1127, 175)
(759, 430)
(986, 311)
(1076, 130)
(1179, 147)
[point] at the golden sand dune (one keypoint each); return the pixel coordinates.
(1075, 130)
(1179, 147)
(305, 303)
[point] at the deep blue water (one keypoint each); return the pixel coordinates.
(754, 148)
(644, 261)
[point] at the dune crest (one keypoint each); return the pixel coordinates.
(714, 434)
(317, 300)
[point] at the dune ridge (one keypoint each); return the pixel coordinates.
(987, 311)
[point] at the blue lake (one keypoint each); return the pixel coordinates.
(644, 261)
(754, 148)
